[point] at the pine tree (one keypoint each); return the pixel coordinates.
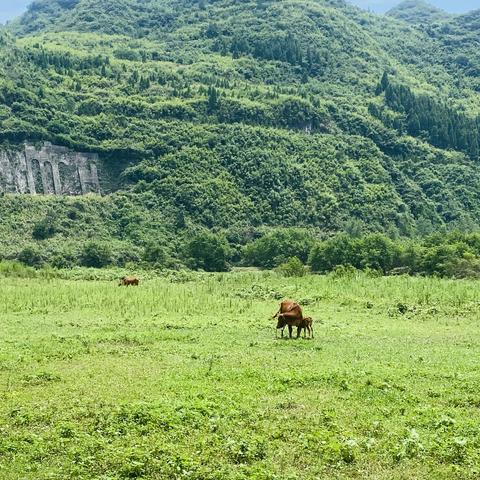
(384, 82)
(413, 125)
(213, 99)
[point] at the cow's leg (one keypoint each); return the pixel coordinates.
(299, 330)
(290, 328)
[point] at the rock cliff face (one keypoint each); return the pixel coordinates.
(48, 170)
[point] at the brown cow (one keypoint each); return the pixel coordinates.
(290, 313)
(129, 281)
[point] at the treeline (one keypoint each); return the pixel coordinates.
(212, 104)
(423, 116)
(454, 255)
(285, 48)
(291, 251)
(63, 60)
(448, 255)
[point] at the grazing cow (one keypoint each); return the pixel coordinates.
(129, 281)
(289, 313)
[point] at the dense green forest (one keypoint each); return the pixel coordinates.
(418, 12)
(224, 122)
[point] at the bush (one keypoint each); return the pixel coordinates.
(31, 256)
(209, 252)
(378, 252)
(341, 250)
(277, 247)
(127, 254)
(292, 268)
(440, 259)
(64, 259)
(96, 254)
(375, 252)
(467, 266)
(44, 229)
(155, 254)
(344, 271)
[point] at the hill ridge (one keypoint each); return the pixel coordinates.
(240, 116)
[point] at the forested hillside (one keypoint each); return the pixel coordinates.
(418, 12)
(240, 117)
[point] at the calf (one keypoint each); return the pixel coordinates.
(306, 325)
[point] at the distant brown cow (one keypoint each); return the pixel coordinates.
(129, 281)
(290, 313)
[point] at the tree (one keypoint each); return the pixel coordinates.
(293, 267)
(414, 125)
(44, 229)
(31, 256)
(377, 251)
(278, 246)
(155, 254)
(213, 99)
(96, 254)
(341, 250)
(208, 251)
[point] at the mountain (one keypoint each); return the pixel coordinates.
(450, 6)
(418, 11)
(239, 117)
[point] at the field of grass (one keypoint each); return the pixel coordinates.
(182, 378)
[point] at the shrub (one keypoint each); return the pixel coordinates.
(466, 267)
(341, 250)
(155, 254)
(44, 229)
(96, 254)
(375, 251)
(344, 271)
(378, 252)
(278, 246)
(209, 252)
(64, 259)
(31, 256)
(292, 268)
(127, 254)
(440, 259)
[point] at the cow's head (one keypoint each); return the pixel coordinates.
(281, 321)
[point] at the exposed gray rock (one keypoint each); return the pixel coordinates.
(49, 169)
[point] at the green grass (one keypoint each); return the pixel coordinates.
(182, 378)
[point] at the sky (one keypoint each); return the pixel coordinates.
(12, 8)
(452, 6)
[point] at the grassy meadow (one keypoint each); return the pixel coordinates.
(183, 378)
